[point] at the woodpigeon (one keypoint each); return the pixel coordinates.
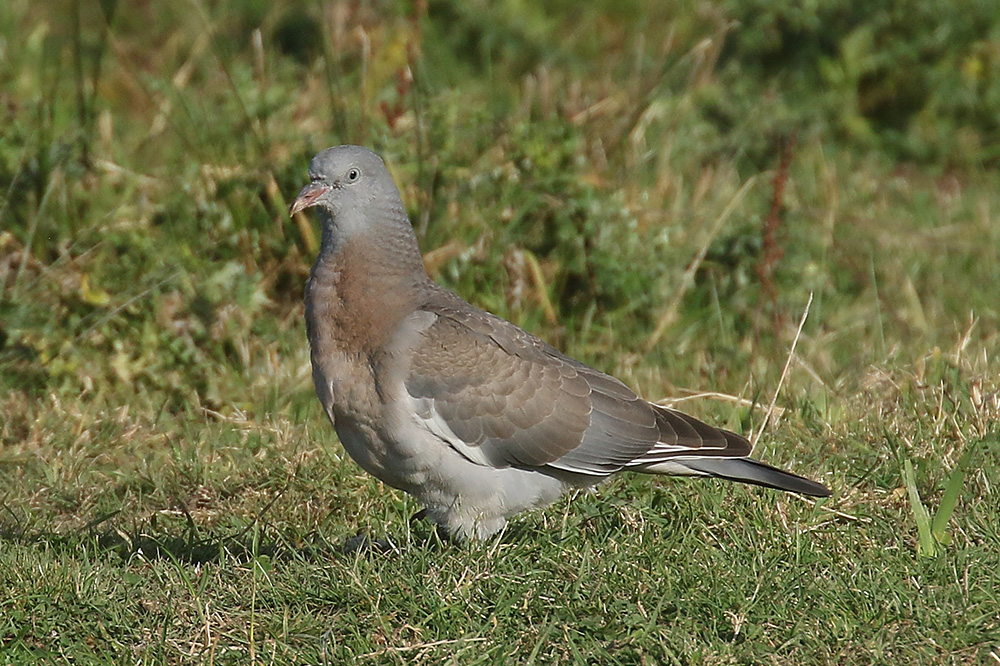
(465, 411)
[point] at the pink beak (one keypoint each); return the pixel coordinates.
(308, 197)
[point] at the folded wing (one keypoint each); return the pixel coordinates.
(502, 397)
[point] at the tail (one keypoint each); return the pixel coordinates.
(748, 470)
(688, 447)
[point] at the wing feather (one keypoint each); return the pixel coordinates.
(505, 398)
(517, 409)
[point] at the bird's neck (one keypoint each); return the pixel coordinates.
(362, 285)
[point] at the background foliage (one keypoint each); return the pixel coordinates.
(656, 188)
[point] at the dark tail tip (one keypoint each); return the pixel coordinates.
(748, 470)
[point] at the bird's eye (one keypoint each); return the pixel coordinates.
(353, 175)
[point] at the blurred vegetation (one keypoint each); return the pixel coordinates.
(656, 188)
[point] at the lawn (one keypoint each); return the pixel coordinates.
(783, 218)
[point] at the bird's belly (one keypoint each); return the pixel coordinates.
(385, 438)
(472, 500)
(355, 410)
(383, 458)
(467, 498)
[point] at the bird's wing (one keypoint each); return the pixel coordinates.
(502, 397)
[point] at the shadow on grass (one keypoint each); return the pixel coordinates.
(192, 545)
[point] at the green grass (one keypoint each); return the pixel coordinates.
(170, 491)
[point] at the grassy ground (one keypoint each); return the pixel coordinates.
(657, 191)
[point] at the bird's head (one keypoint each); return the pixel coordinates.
(346, 178)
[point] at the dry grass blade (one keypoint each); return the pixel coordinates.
(670, 314)
(541, 288)
(742, 402)
(418, 646)
(784, 373)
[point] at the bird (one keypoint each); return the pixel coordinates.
(476, 418)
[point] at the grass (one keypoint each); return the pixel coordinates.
(171, 493)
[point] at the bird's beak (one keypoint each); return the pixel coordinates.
(308, 197)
